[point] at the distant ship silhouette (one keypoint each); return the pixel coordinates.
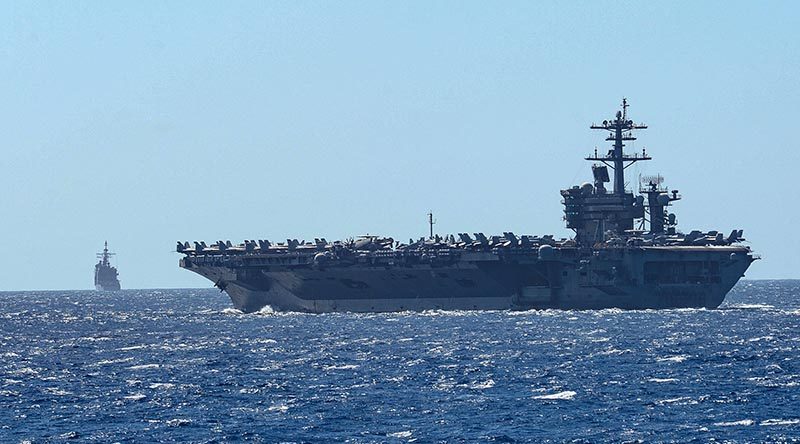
(105, 276)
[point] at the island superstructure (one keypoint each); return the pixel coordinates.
(105, 276)
(626, 253)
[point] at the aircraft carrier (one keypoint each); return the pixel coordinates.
(105, 276)
(626, 253)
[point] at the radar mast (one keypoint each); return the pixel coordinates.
(620, 130)
(105, 255)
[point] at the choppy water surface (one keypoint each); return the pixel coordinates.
(180, 365)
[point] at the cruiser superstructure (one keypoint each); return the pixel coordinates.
(105, 276)
(626, 253)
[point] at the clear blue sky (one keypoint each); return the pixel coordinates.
(142, 123)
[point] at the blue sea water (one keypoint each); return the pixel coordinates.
(182, 366)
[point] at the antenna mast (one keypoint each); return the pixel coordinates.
(431, 222)
(620, 130)
(105, 255)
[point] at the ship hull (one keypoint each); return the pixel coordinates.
(628, 279)
(107, 287)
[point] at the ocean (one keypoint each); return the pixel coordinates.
(183, 366)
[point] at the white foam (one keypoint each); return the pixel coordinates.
(341, 367)
(95, 338)
(133, 347)
(177, 422)
(662, 380)
(483, 385)
(112, 361)
(752, 306)
(678, 358)
(779, 422)
(24, 371)
(743, 422)
(278, 408)
(136, 397)
(761, 338)
(265, 310)
(682, 399)
(614, 351)
(144, 366)
(162, 385)
(57, 391)
(232, 311)
(565, 395)
(403, 434)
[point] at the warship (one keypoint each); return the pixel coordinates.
(626, 253)
(105, 276)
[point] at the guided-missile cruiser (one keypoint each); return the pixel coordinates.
(626, 252)
(105, 276)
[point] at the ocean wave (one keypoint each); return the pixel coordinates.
(27, 371)
(482, 385)
(112, 361)
(265, 311)
(761, 338)
(312, 378)
(677, 358)
(742, 422)
(566, 395)
(278, 408)
(683, 400)
(662, 380)
(779, 422)
(95, 338)
(340, 367)
(439, 312)
(136, 397)
(57, 391)
(144, 366)
(613, 352)
(132, 347)
(748, 307)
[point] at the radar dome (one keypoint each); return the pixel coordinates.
(546, 253)
(587, 188)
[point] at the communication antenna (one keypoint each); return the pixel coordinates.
(431, 222)
(620, 130)
(105, 255)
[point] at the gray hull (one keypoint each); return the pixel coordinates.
(611, 262)
(640, 278)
